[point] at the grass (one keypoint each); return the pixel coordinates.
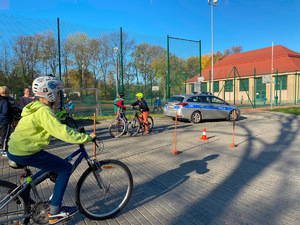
(291, 110)
(111, 117)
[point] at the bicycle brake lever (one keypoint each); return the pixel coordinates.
(94, 140)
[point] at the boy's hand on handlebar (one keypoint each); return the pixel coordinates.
(93, 135)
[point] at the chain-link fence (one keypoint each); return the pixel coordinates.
(112, 60)
(116, 60)
(257, 88)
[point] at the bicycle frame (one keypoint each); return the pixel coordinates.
(41, 176)
(60, 114)
(119, 115)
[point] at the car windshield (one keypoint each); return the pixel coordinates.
(176, 99)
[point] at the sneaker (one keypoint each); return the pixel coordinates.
(4, 154)
(141, 130)
(146, 132)
(65, 213)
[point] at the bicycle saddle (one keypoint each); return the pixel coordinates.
(15, 165)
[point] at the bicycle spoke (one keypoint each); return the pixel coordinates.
(14, 208)
(117, 127)
(98, 202)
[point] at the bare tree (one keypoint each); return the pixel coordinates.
(127, 47)
(66, 59)
(26, 52)
(233, 50)
(82, 57)
(94, 50)
(104, 59)
(48, 50)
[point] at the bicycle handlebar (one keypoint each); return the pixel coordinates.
(82, 130)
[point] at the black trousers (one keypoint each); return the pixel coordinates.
(5, 133)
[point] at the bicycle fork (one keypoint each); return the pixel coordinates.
(95, 168)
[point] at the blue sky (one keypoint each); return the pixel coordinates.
(252, 24)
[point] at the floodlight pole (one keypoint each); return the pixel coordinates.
(213, 4)
(271, 76)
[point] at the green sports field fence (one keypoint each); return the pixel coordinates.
(116, 60)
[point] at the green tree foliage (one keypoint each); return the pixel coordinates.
(206, 59)
(192, 66)
(91, 62)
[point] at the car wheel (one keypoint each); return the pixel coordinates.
(231, 115)
(196, 117)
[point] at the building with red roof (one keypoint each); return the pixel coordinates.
(243, 74)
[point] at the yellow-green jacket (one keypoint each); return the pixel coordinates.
(35, 129)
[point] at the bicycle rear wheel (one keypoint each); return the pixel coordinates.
(134, 126)
(71, 122)
(17, 207)
(117, 127)
(150, 123)
(99, 203)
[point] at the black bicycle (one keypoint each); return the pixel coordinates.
(119, 126)
(102, 191)
(150, 121)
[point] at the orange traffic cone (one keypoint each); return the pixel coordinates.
(204, 138)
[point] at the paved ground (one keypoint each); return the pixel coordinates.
(208, 182)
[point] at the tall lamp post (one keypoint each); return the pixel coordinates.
(212, 3)
(116, 51)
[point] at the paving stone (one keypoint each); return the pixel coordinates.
(208, 182)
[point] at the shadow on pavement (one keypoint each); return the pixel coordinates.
(164, 183)
(249, 168)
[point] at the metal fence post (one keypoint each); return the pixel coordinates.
(59, 63)
(276, 80)
(254, 92)
(234, 85)
(295, 87)
(200, 68)
(121, 57)
(168, 53)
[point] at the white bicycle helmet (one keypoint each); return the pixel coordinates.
(47, 87)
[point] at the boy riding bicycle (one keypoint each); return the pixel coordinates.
(144, 110)
(119, 107)
(33, 133)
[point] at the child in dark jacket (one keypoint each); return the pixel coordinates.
(144, 110)
(6, 118)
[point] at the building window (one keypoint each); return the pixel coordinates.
(244, 84)
(283, 81)
(192, 87)
(204, 87)
(260, 89)
(216, 86)
(228, 85)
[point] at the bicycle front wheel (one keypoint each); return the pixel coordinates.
(134, 126)
(17, 207)
(71, 123)
(99, 202)
(117, 127)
